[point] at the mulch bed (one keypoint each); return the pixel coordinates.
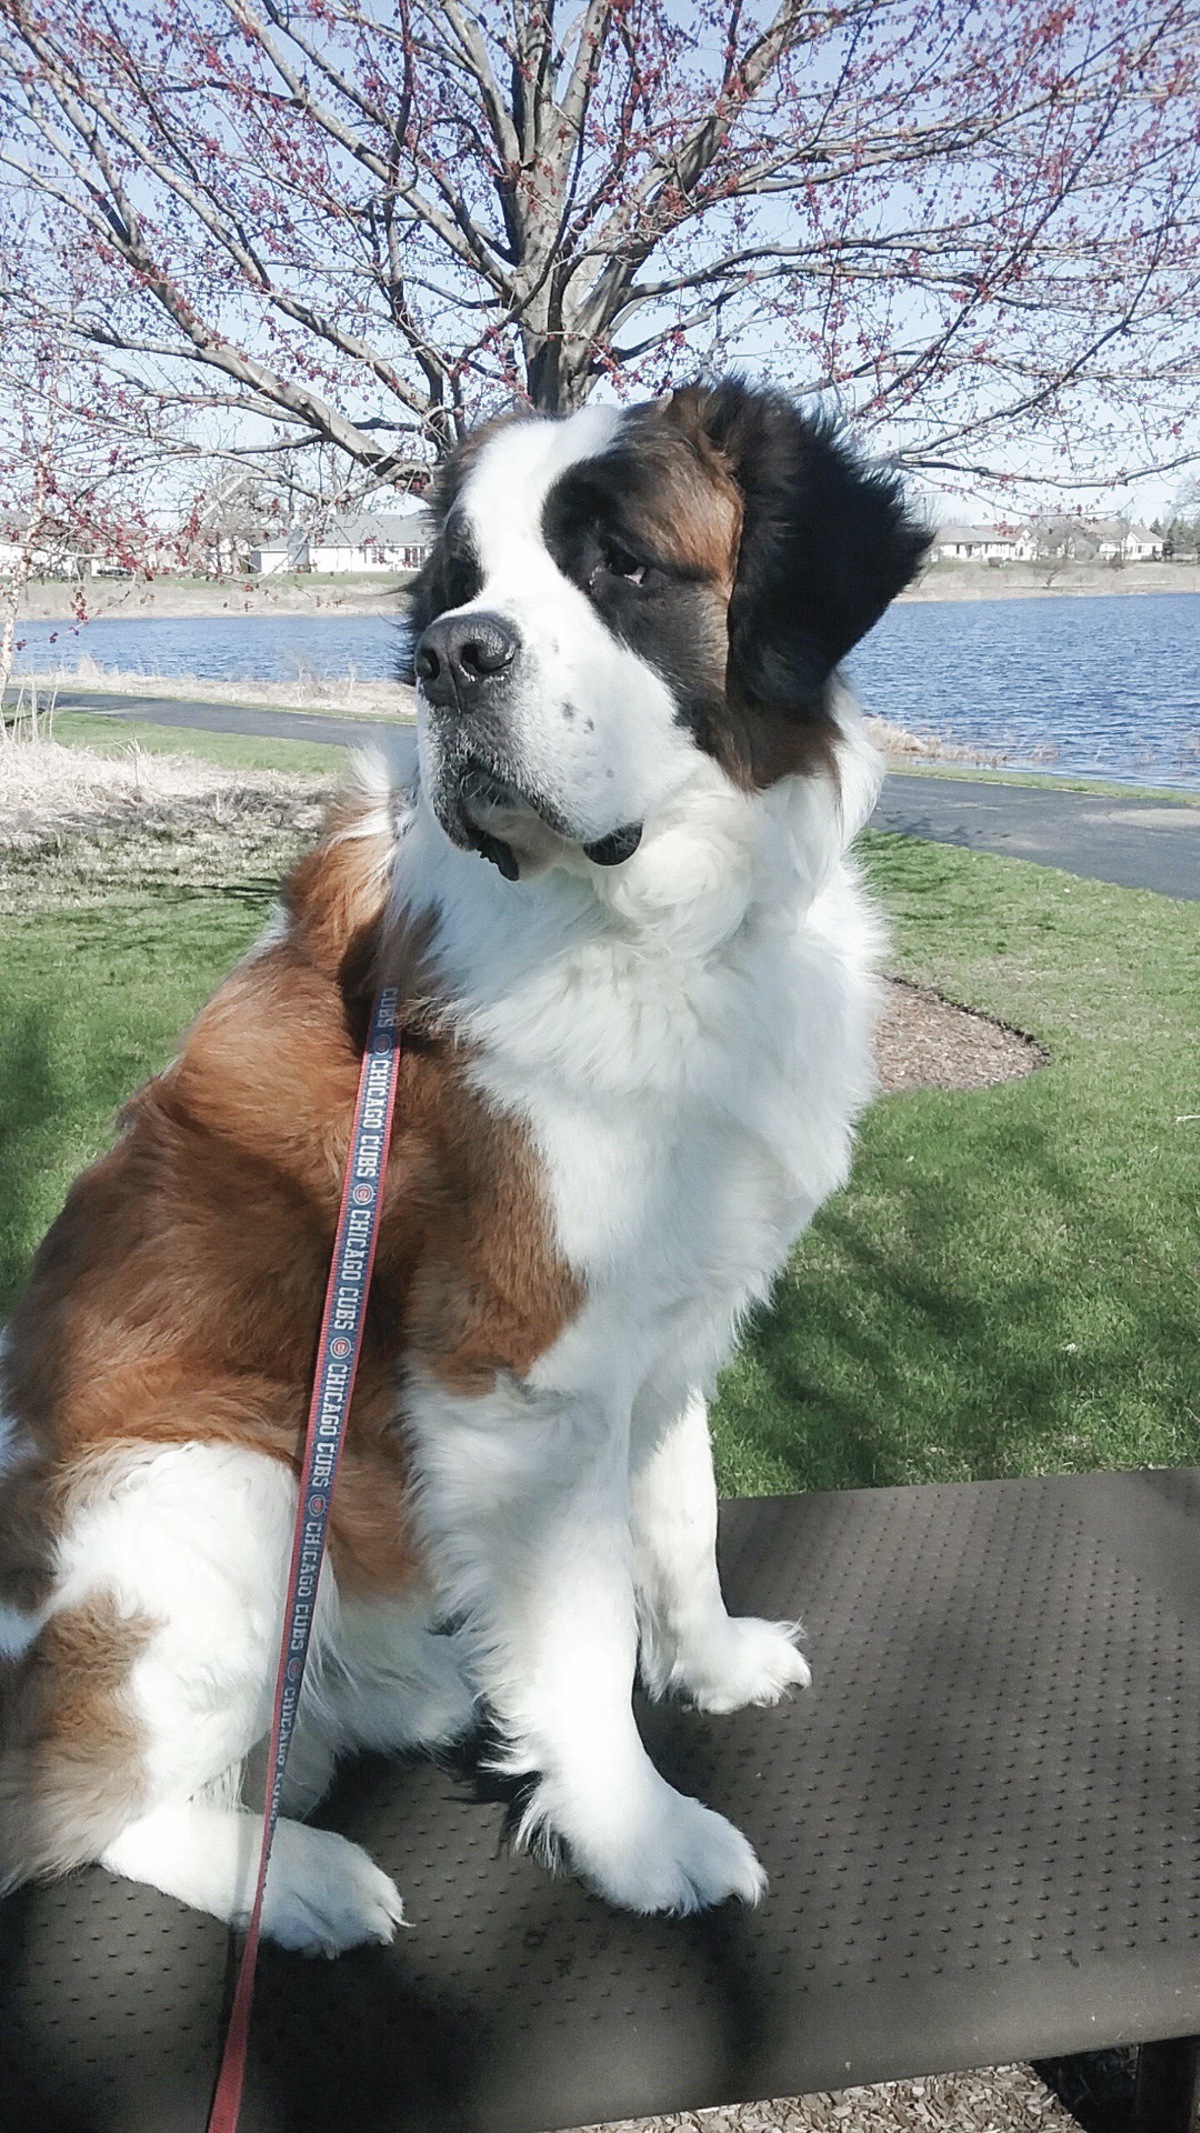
(925, 1042)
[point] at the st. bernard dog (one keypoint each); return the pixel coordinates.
(636, 972)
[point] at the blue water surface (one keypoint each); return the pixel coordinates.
(220, 647)
(1106, 686)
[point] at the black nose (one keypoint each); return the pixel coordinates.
(459, 654)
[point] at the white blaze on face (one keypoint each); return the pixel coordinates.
(590, 727)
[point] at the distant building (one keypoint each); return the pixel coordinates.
(54, 556)
(1065, 539)
(959, 542)
(372, 540)
(287, 551)
(44, 559)
(1143, 546)
(1117, 537)
(1096, 540)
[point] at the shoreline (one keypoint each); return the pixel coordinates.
(166, 599)
(136, 700)
(1077, 582)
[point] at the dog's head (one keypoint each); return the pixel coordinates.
(611, 593)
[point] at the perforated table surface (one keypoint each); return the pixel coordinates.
(981, 1830)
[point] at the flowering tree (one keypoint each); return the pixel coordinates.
(77, 461)
(971, 222)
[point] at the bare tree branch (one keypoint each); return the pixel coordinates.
(369, 227)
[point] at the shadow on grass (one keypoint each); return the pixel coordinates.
(910, 1350)
(92, 1001)
(31, 1099)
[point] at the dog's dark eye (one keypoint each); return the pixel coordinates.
(619, 562)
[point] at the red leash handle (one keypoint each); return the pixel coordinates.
(338, 1352)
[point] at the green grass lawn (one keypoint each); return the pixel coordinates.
(91, 1002)
(113, 736)
(1009, 1284)
(1041, 781)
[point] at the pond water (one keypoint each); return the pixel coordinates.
(1106, 686)
(220, 647)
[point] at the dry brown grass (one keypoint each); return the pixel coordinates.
(74, 824)
(899, 745)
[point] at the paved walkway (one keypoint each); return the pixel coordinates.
(1140, 844)
(261, 722)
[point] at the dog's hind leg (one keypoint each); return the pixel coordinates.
(397, 1685)
(189, 1544)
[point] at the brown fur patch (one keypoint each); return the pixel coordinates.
(28, 1523)
(178, 1295)
(698, 493)
(763, 745)
(70, 1772)
(687, 498)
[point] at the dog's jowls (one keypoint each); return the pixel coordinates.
(635, 964)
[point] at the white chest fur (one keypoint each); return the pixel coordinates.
(688, 1049)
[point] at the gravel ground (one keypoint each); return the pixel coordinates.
(1092, 2093)
(1004, 2099)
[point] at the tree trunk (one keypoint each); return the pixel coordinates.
(10, 597)
(558, 376)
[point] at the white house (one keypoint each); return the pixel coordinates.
(288, 551)
(1142, 546)
(372, 540)
(55, 558)
(15, 553)
(962, 543)
(1116, 537)
(1097, 540)
(1067, 538)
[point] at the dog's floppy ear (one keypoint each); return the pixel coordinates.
(826, 541)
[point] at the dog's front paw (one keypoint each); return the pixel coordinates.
(325, 1895)
(661, 1852)
(744, 1661)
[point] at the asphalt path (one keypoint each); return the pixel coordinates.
(260, 722)
(1140, 844)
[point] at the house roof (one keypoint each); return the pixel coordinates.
(1107, 529)
(393, 529)
(292, 543)
(957, 530)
